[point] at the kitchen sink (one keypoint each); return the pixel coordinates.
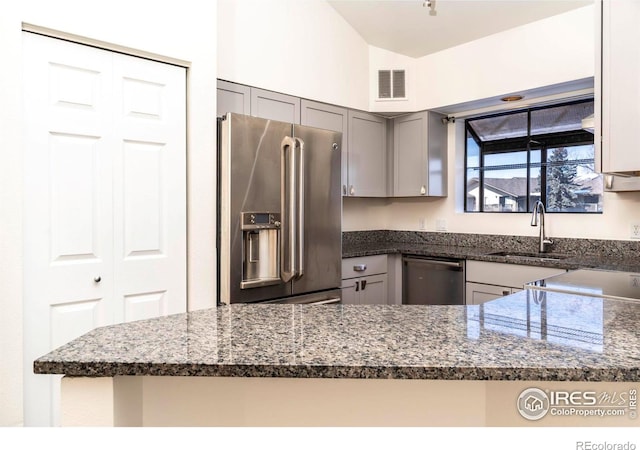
(530, 255)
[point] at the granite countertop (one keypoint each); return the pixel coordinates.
(531, 335)
(568, 261)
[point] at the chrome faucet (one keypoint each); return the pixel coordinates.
(538, 208)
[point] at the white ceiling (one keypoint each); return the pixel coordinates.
(406, 27)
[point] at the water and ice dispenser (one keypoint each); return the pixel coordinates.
(260, 249)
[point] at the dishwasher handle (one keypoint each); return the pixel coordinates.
(434, 262)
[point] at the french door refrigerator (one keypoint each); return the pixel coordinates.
(279, 212)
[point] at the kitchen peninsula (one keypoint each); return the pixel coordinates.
(346, 365)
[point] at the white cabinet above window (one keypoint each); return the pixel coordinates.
(618, 86)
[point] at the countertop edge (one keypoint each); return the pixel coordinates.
(107, 369)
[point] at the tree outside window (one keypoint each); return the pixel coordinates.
(514, 159)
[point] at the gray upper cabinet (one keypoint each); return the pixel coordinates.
(234, 98)
(367, 165)
(401, 157)
(241, 99)
(419, 155)
(329, 117)
(275, 106)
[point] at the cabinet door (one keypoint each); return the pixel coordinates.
(275, 106)
(349, 294)
(105, 207)
(362, 266)
(478, 293)
(233, 98)
(373, 290)
(437, 160)
(367, 155)
(329, 117)
(620, 87)
(410, 155)
(512, 275)
(420, 155)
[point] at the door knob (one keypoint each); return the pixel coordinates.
(97, 279)
(352, 191)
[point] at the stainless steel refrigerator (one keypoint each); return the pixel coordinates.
(279, 210)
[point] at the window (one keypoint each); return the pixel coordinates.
(514, 159)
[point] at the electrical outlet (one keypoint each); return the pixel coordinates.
(635, 230)
(421, 223)
(441, 225)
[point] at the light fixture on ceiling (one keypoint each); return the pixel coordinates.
(512, 98)
(431, 4)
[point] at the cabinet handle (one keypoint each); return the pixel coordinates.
(344, 189)
(360, 267)
(357, 286)
(506, 292)
(363, 283)
(423, 190)
(352, 190)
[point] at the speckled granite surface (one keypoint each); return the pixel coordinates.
(531, 335)
(573, 253)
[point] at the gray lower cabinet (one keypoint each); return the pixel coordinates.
(371, 290)
(419, 155)
(367, 166)
(365, 280)
(488, 280)
(329, 117)
(241, 99)
(478, 293)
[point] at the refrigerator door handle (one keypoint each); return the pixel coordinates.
(300, 224)
(288, 207)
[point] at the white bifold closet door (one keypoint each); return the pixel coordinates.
(104, 198)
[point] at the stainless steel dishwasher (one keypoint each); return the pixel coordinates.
(431, 281)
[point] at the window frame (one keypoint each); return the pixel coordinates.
(572, 138)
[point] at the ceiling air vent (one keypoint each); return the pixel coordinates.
(391, 84)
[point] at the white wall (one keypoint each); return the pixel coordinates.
(381, 59)
(554, 50)
(184, 31)
(302, 48)
(547, 52)
(10, 223)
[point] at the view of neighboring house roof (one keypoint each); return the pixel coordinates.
(517, 186)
